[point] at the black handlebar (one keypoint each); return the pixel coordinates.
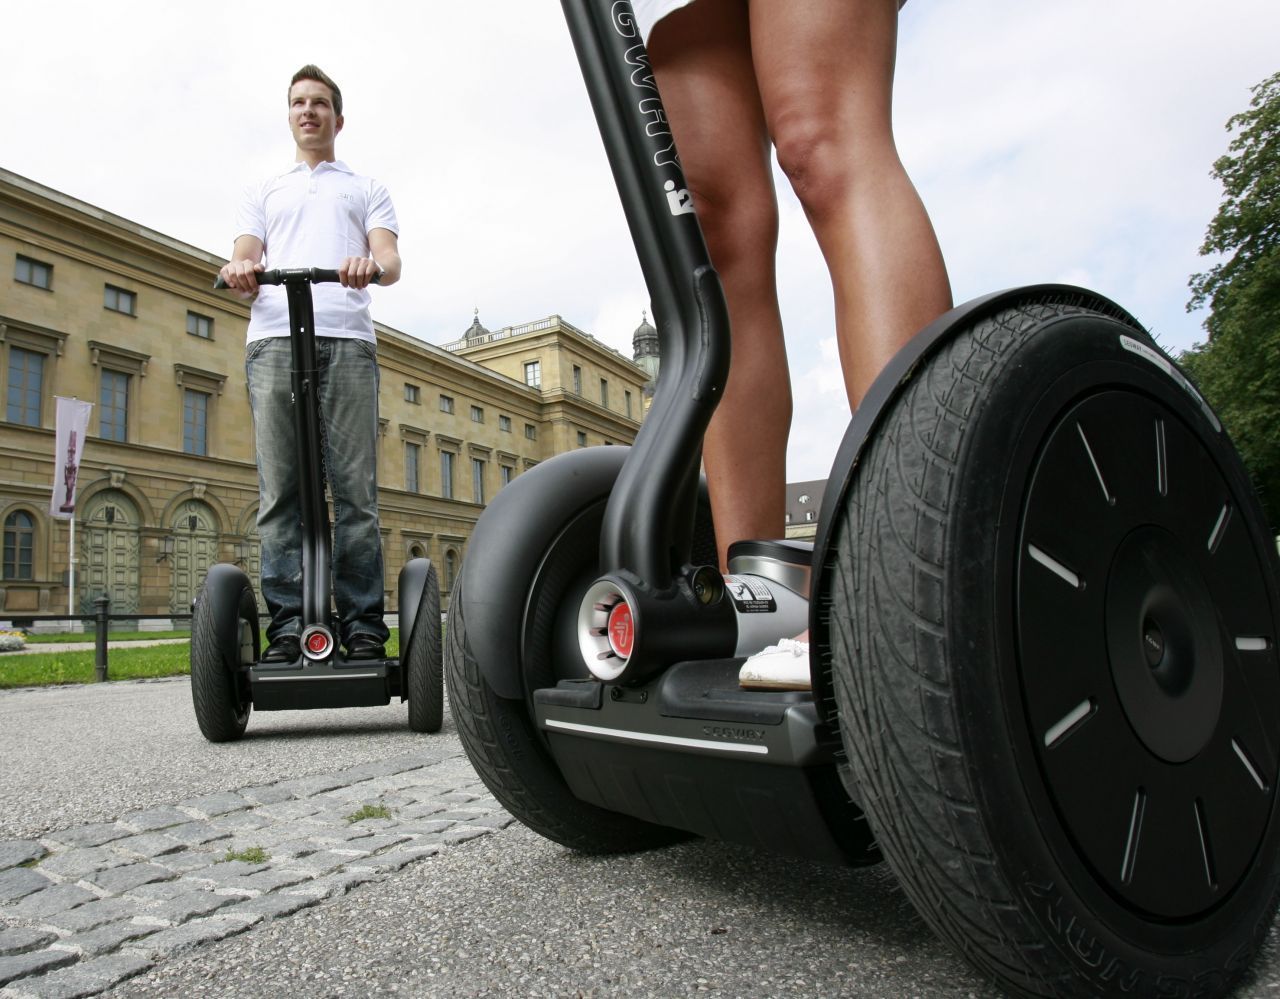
(304, 275)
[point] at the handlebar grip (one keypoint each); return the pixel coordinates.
(313, 275)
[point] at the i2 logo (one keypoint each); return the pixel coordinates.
(680, 202)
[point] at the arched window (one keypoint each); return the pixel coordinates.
(19, 543)
(450, 569)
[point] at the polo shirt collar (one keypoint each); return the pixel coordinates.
(337, 165)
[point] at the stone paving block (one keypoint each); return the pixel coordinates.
(50, 901)
(17, 882)
(87, 978)
(75, 864)
(20, 939)
(274, 905)
(460, 834)
(461, 797)
(266, 794)
(186, 907)
(304, 787)
(299, 847)
(429, 827)
(263, 882)
(187, 861)
(165, 891)
(122, 879)
(333, 884)
(239, 822)
(498, 821)
(289, 811)
(19, 851)
(422, 809)
(210, 805)
(186, 937)
(104, 939)
(151, 819)
(32, 963)
(95, 914)
(394, 860)
(376, 841)
(387, 768)
(457, 816)
(90, 835)
(196, 833)
(150, 845)
(225, 870)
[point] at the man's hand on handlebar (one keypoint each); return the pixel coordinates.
(358, 272)
(242, 277)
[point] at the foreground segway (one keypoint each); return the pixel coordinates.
(226, 678)
(1044, 618)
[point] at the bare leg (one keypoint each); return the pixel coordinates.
(701, 57)
(825, 72)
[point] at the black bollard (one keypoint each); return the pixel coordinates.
(100, 605)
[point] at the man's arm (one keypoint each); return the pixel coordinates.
(241, 271)
(384, 255)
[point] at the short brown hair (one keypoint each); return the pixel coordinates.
(313, 72)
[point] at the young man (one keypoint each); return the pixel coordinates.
(317, 214)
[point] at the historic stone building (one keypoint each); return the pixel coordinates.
(103, 309)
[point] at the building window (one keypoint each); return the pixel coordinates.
(507, 473)
(808, 515)
(577, 380)
(411, 452)
(477, 479)
(412, 394)
(530, 432)
(450, 569)
(477, 414)
(504, 424)
(604, 392)
(33, 272)
(19, 543)
(446, 404)
(113, 406)
(627, 393)
(195, 422)
(533, 374)
(119, 300)
(582, 438)
(201, 326)
(446, 474)
(26, 387)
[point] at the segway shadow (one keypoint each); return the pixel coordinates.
(227, 679)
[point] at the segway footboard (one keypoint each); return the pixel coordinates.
(1055, 675)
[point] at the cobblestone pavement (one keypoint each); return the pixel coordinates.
(86, 907)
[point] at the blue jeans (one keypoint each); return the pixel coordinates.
(348, 393)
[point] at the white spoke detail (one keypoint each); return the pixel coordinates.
(1162, 460)
(1215, 537)
(1135, 831)
(1251, 643)
(1054, 566)
(1201, 827)
(1106, 493)
(1248, 765)
(1068, 724)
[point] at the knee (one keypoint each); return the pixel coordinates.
(815, 161)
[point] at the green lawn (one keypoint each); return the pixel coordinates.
(40, 669)
(112, 636)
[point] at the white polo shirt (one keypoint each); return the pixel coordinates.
(315, 218)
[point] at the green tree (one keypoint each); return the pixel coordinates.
(1238, 367)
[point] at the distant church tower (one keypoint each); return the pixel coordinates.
(644, 344)
(476, 331)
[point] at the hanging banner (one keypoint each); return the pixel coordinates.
(72, 425)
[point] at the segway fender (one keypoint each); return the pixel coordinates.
(507, 547)
(884, 390)
(223, 587)
(411, 582)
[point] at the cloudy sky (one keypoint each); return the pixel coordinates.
(1051, 141)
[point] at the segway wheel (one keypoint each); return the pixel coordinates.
(1052, 648)
(509, 755)
(222, 618)
(424, 670)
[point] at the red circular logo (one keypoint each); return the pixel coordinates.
(622, 633)
(317, 643)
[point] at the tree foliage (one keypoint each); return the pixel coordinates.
(1238, 367)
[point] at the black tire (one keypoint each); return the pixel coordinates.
(219, 693)
(423, 668)
(499, 734)
(1049, 516)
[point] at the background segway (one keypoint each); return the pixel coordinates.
(224, 638)
(1053, 611)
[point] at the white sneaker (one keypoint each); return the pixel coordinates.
(784, 666)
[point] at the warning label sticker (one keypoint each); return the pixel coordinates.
(750, 595)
